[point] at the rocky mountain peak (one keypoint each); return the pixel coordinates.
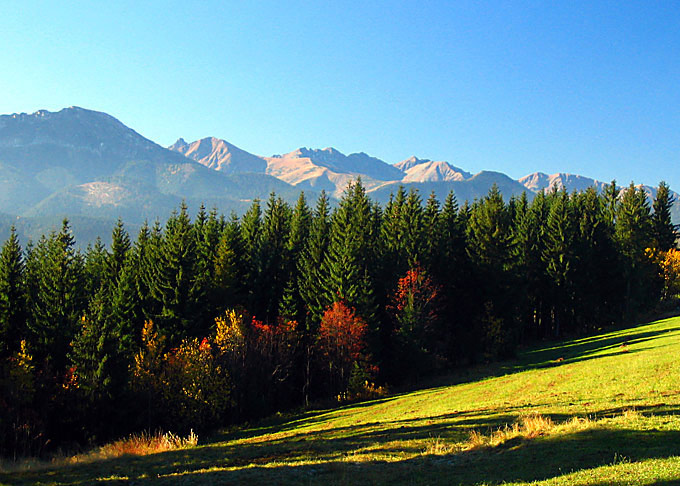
(412, 161)
(179, 145)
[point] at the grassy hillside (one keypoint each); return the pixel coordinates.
(596, 411)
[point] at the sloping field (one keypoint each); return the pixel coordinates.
(598, 411)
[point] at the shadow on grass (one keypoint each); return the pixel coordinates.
(515, 460)
(325, 456)
(588, 348)
(558, 353)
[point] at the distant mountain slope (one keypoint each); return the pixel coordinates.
(539, 181)
(308, 169)
(328, 170)
(220, 155)
(338, 162)
(88, 164)
(92, 168)
(470, 189)
(424, 170)
(86, 144)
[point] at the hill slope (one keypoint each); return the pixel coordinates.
(594, 411)
(86, 164)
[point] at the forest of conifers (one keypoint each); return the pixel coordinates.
(206, 322)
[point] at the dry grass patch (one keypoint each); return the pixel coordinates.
(527, 427)
(142, 444)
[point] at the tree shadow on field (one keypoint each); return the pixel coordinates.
(518, 459)
(284, 423)
(587, 349)
(558, 353)
(281, 451)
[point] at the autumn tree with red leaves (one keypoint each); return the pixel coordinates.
(415, 308)
(341, 344)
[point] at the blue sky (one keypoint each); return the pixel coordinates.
(583, 87)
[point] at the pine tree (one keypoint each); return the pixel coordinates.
(177, 289)
(251, 235)
(311, 277)
(664, 231)
(12, 295)
(412, 223)
(558, 257)
(120, 248)
(351, 255)
(634, 236)
(596, 276)
(145, 265)
(291, 306)
(490, 232)
(229, 269)
(95, 266)
(529, 243)
(60, 299)
(490, 246)
(273, 257)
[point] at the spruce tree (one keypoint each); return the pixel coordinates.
(634, 236)
(229, 270)
(120, 248)
(145, 265)
(490, 246)
(60, 300)
(392, 236)
(309, 283)
(251, 235)
(664, 231)
(351, 258)
(95, 266)
(490, 233)
(413, 242)
(529, 244)
(176, 287)
(12, 295)
(291, 306)
(274, 258)
(311, 276)
(207, 231)
(558, 257)
(597, 277)
(611, 196)
(432, 236)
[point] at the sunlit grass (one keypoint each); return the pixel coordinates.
(599, 410)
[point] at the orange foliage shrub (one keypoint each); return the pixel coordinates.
(259, 357)
(415, 310)
(185, 387)
(342, 345)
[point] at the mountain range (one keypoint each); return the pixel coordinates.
(90, 167)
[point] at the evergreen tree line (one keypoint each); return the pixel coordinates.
(217, 320)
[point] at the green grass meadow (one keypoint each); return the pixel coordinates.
(603, 410)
